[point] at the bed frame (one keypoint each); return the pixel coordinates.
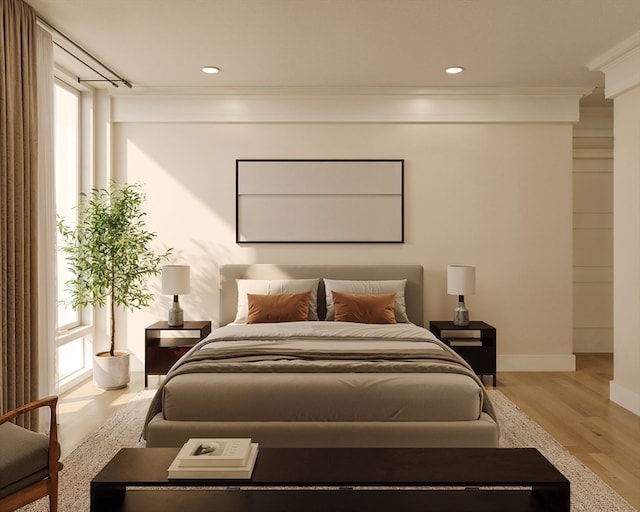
(478, 433)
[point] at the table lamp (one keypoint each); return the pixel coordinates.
(175, 281)
(461, 281)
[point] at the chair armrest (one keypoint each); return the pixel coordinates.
(50, 402)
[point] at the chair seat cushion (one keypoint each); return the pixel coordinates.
(24, 457)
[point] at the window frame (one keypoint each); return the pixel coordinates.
(77, 322)
(83, 327)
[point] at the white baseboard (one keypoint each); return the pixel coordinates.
(536, 363)
(624, 397)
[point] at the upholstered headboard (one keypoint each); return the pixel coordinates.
(412, 273)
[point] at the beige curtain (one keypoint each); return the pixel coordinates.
(47, 277)
(18, 212)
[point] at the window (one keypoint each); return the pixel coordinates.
(67, 168)
(74, 331)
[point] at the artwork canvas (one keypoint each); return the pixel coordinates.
(320, 201)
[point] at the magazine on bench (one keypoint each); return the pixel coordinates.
(215, 458)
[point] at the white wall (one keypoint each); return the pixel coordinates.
(621, 66)
(494, 194)
(625, 387)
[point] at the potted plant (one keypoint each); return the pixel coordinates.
(109, 256)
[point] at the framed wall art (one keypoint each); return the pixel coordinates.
(320, 201)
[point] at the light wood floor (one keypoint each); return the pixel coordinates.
(572, 406)
(83, 409)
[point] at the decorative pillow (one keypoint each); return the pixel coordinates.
(275, 287)
(284, 307)
(364, 309)
(369, 288)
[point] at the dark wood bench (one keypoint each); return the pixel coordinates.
(345, 479)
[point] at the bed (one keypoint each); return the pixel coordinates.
(322, 375)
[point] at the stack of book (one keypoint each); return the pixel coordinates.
(215, 458)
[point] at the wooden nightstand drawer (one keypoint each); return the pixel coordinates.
(159, 360)
(475, 343)
(164, 345)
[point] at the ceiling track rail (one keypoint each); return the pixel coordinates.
(113, 81)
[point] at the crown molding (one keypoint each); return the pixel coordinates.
(614, 53)
(351, 91)
(620, 65)
(361, 105)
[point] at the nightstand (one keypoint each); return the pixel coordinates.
(162, 351)
(476, 343)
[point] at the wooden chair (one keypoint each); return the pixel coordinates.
(29, 462)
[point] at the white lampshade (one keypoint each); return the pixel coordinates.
(461, 279)
(175, 279)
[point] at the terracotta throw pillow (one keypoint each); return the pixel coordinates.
(284, 307)
(364, 309)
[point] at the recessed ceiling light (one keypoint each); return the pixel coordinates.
(454, 70)
(211, 70)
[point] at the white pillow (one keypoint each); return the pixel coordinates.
(274, 287)
(369, 288)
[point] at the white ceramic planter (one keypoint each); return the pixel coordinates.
(111, 372)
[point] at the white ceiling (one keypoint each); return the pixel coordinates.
(347, 43)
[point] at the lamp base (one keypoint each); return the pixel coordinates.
(176, 314)
(461, 315)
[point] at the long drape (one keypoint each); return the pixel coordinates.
(18, 206)
(47, 282)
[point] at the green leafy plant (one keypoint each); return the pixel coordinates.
(108, 251)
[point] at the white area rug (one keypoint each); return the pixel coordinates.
(588, 492)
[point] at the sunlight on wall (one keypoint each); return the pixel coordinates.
(494, 195)
(184, 220)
